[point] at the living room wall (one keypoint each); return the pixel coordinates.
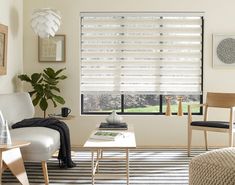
(11, 15)
(150, 130)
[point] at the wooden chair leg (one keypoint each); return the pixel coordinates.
(205, 135)
(189, 140)
(230, 139)
(45, 172)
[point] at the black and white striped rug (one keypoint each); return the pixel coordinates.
(147, 167)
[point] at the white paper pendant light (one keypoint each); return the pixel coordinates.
(45, 22)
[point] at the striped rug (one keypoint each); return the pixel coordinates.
(147, 166)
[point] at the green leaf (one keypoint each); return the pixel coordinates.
(55, 88)
(24, 77)
(35, 77)
(36, 100)
(45, 76)
(59, 71)
(49, 80)
(43, 104)
(62, 77)
(50, 72)
(51, 83)
(39, 89)
(54, 103)
(59, 99)
(31, 93)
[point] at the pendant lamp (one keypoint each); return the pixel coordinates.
(45, 22)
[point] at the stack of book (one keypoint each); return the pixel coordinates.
(113, 126)
(106, 135)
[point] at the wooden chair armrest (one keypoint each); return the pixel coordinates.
(190, 113)
(231, 119)
(232, 108)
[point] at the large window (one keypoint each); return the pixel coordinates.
(131, 61)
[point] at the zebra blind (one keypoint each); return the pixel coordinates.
(141, 53)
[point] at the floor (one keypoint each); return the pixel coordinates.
(147, 167)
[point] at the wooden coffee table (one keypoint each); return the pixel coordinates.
(126, 143)
(10, 157)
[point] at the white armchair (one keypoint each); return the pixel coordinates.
(44, 141)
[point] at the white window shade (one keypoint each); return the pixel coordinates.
(141, 53)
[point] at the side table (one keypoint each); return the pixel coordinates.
(10, 157)
(69, 117)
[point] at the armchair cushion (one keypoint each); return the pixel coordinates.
(44, 142)
(215, 124)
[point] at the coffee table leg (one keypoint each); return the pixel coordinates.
(92, 168)
(101, 153)
(97, 159)
(127, 166)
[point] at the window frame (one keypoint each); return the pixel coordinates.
(160, 96)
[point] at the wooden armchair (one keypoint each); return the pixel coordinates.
(213, 100)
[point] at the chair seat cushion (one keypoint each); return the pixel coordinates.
(44, 142)
(215, 124)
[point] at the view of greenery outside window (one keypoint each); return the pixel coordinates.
(101, 103)
(130, 61)
(141, 103)
(135, 103)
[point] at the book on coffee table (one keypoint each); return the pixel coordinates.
(106, 135)
(113, 126)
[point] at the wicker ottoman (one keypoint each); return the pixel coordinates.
(216, 167)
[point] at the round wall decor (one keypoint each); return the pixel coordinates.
(226, 51)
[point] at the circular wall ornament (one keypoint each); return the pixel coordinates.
(226, 51)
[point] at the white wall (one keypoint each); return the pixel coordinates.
(11, 15)
(150, 130)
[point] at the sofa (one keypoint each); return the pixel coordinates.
(44, 141)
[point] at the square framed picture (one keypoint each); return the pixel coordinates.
(224, 51)
(52, 49)
(3, 49)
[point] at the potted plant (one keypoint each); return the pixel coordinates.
(45, 87)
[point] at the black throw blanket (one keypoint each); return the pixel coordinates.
(64, 155)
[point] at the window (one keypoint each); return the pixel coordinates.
(131, 61)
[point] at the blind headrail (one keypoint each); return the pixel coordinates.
(142, 14)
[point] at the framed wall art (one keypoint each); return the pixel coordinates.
(51, 49)
(3, 49)
(224, 51)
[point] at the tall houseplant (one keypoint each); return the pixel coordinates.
(45, 87)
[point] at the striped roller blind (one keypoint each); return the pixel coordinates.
(144, 53)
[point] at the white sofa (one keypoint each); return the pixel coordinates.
(44, 141)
